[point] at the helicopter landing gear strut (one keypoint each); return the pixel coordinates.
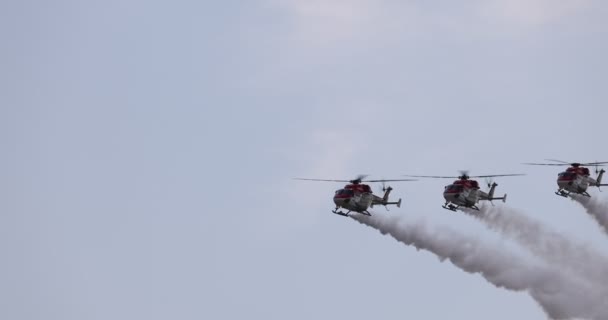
(562, 192)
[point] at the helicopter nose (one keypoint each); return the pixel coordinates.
(450, 196)
(340, 201)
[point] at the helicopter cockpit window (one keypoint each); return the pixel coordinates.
(566, 175)
(453, 188)
(345, 192)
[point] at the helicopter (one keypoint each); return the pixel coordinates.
(465, 192)
(358, 197)
(576, 178)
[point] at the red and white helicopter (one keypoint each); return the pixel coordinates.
(358, 197)
(466, 193)
(576, 178)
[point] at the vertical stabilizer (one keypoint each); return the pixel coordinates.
(599, 177)
(387, 191)
(492, 188)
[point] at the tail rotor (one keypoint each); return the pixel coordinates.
(489, 182)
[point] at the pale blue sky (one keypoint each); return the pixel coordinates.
(149, 147)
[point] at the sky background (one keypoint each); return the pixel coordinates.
(148, 149)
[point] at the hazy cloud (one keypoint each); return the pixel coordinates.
(527, 13)
(326, 21)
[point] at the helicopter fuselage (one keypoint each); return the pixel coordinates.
(577, 179)
(352, 200)
(572, 182)
(466, 193)
(460, 194)
(359, 197)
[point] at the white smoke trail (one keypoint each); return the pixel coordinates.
(552, 247)
(560, 296)
(597, 208)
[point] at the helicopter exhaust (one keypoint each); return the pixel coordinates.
(560, 295)
(576, 258)
(595, 207)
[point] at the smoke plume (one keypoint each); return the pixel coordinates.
(561, 297)
(552, 247)
(597, 208)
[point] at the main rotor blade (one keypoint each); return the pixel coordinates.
(388, 180)
(560, 161)
(459, 177)
(436, 177)
(499, 175)
(567, 164)
(332, 180)
(593, 163)
(326, 180)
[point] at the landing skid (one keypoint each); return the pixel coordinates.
(566, 194)
(450, 206)
(345, 214)
(340, 213)
(453, 207)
